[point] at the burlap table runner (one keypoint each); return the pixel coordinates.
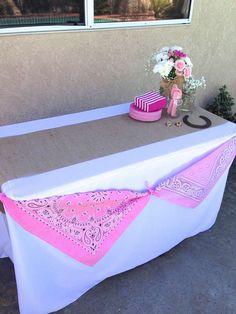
(43, 151)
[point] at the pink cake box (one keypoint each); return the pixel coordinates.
(141, 115)
(150, 101)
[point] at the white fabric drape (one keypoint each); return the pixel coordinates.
(47, 279)
(5, 243)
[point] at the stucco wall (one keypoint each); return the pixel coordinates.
(51, 74)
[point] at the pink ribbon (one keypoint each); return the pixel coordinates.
(176, 94)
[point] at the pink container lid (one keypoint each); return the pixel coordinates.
(150, 101)
(141, 115)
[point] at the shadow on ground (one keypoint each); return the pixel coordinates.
(197, 276)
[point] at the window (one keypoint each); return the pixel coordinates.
(84, 14)
(41, 12)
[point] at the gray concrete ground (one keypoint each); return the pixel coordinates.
(196, 277)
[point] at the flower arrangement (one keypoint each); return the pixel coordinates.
(175, 68)
(171, 63)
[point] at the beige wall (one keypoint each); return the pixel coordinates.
(51, 74)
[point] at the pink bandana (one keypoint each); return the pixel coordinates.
(191, 186)
(86, 225)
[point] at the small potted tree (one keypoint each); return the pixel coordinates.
(222, 105)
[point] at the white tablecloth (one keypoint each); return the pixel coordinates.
(47, 279)
(5, 244)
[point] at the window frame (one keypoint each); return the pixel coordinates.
(90, 25)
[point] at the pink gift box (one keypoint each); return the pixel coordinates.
(141, 115)
(150, 101)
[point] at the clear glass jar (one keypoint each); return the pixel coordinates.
(188, 99)
(174, 113)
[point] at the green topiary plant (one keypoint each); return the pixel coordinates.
(222, 104)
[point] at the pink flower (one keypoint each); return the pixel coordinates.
(179, 65)
(187, 72)
(178, 73)
(180, 54)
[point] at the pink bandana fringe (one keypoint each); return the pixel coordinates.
(86, 225)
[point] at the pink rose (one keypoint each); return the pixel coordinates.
(179, 65)
(178, 73)
(187, 72)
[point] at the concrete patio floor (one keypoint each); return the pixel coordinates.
(196, 277)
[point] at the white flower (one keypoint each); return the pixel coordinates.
(188, 61)
(176, 48)
(158, 67)
(163, 68)
(161, 56)
(164, 49)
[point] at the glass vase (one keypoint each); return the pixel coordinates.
(176, 112)
(187, 102)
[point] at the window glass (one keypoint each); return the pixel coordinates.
(87, 14)
(140, 10)
(41, 12)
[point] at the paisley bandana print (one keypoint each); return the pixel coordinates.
(191, 186)
(83, 225)
(86, 225)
